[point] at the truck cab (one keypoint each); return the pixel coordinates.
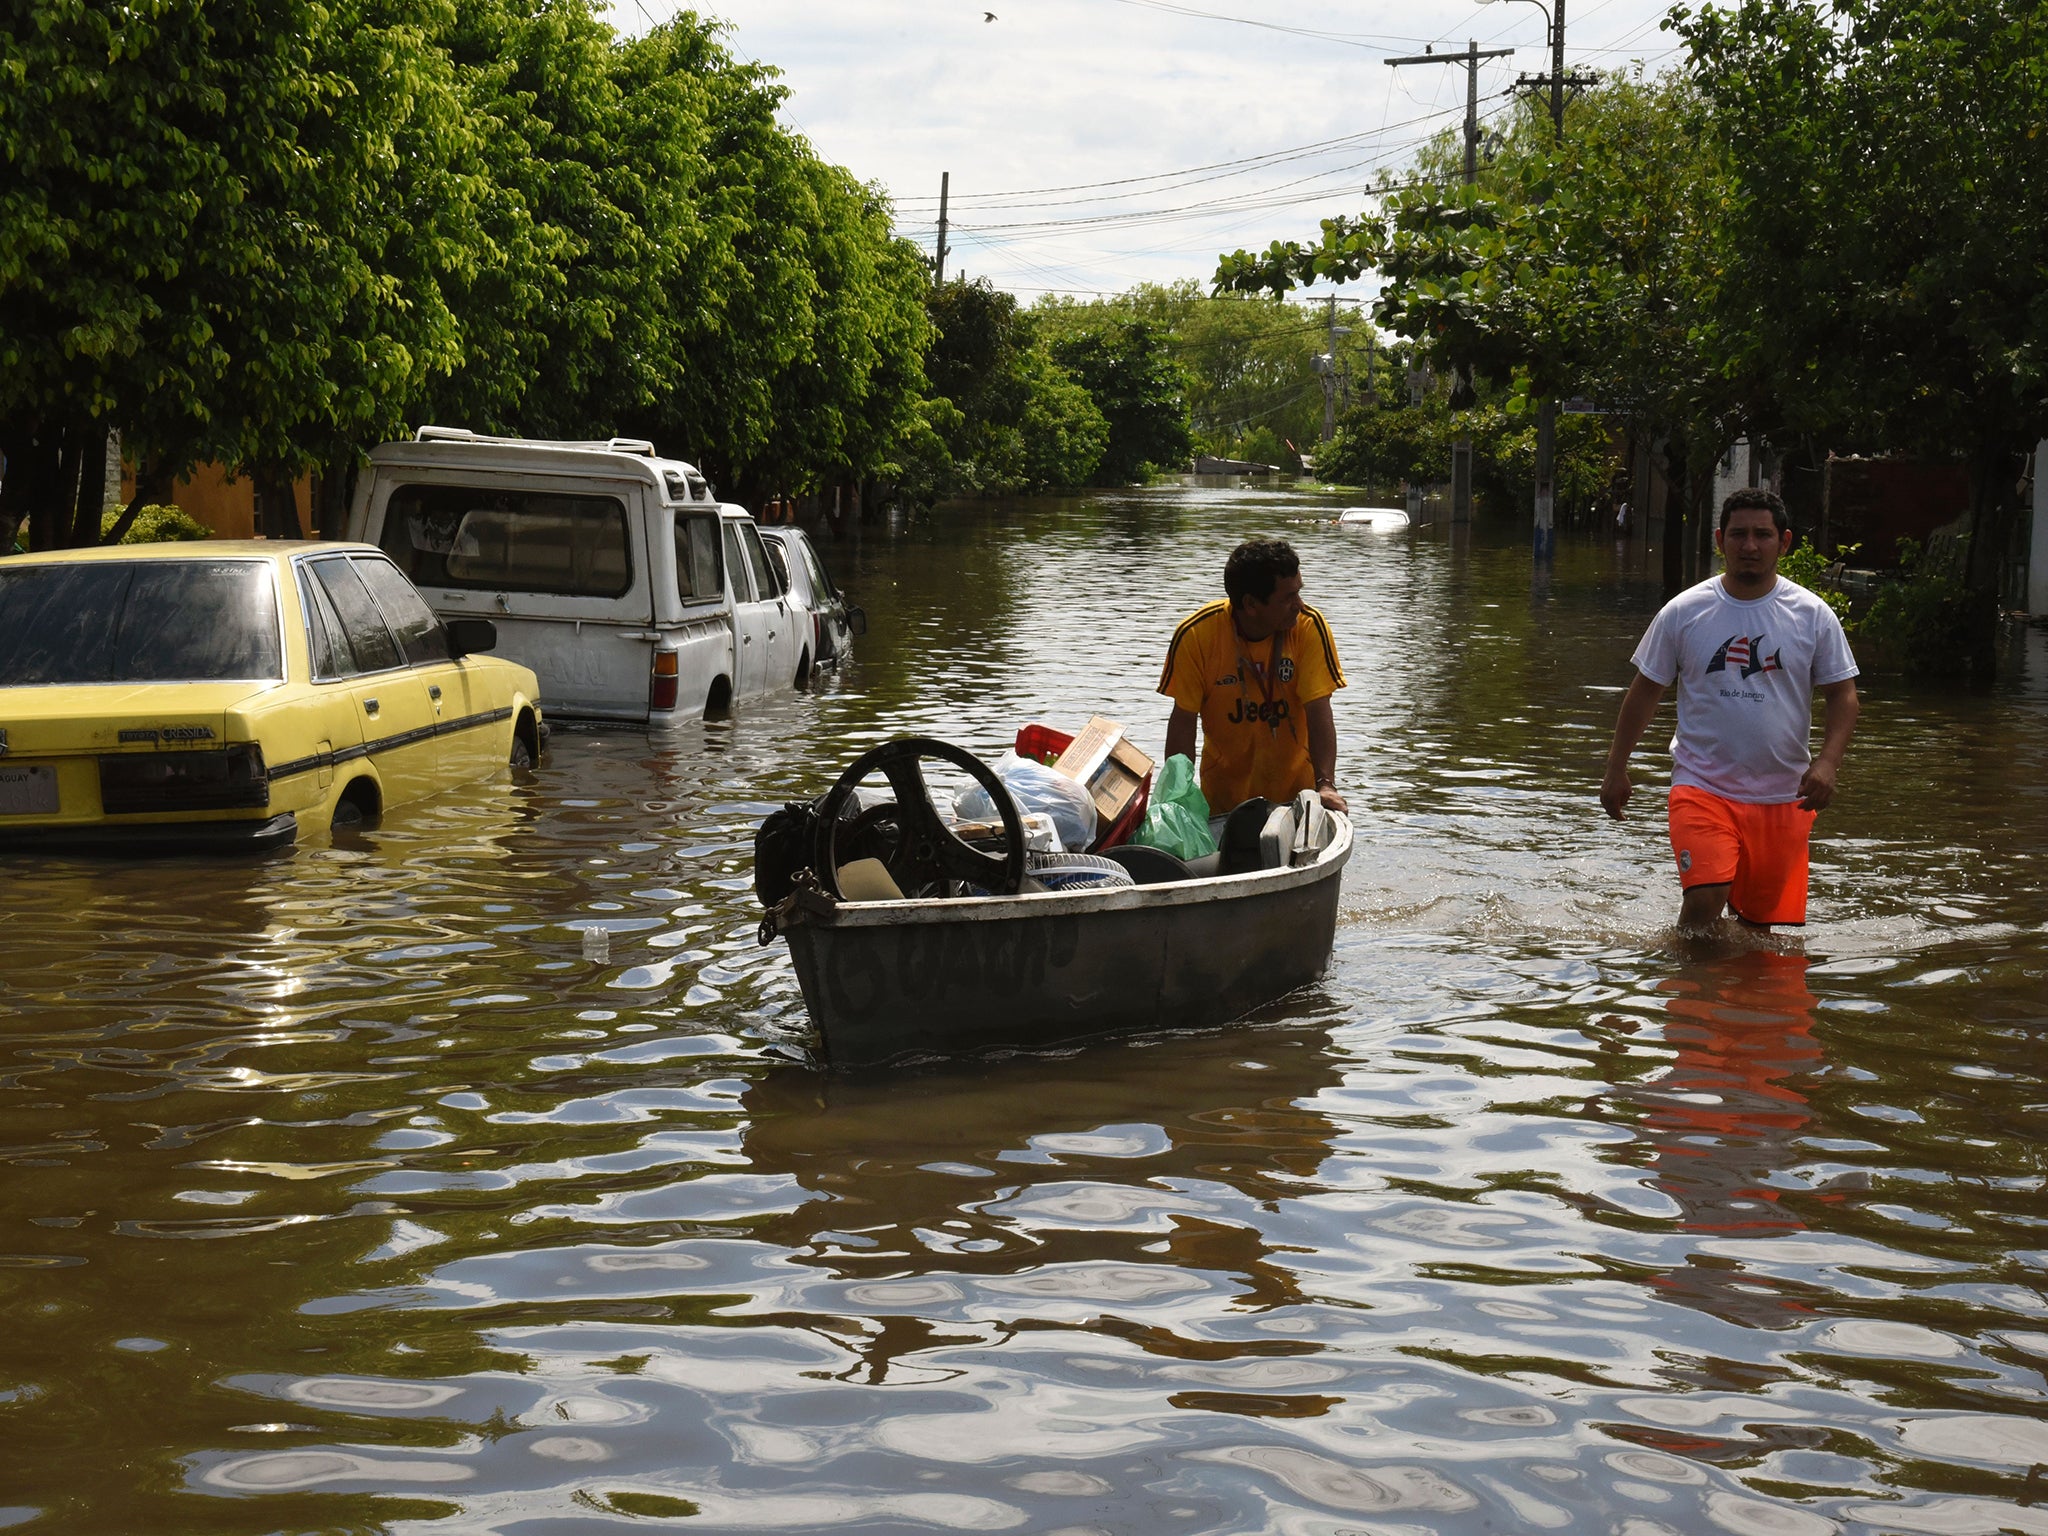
(617, 575)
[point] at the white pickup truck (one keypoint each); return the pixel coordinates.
(617, 576)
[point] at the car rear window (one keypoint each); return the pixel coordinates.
(143, 621)
(509, 541)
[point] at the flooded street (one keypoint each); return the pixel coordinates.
(345, 1193)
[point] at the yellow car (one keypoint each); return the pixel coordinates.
(237, 694)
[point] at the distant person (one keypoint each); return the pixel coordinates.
(1257, 668)
(1747, 651)
(1624, 515)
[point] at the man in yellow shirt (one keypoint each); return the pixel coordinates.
(1257, 669)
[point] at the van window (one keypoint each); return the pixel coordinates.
(519, 541)
(736, 563)
(700, 575)
(765, 584)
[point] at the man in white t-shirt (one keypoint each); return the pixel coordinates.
(1747, 651)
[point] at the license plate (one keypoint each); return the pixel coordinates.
(27, 790)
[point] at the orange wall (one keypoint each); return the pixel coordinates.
(226, 506)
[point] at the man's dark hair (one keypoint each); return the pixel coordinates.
(1256, 567)
(1753, 497)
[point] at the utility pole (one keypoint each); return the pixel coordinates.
(1325, 365)
(939, 272)
(1461, 448)
(1330, 378)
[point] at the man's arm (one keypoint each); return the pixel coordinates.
(1817, 788)
(1180, 733)
(1638, 706)
(1322, 753)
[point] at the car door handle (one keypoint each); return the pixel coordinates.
(369, 706)
(746, 639)
(434, 693)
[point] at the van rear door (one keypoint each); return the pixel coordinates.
(562, 571)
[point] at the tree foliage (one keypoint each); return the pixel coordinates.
(1016, 419)
(1245, 360)
(270, 236)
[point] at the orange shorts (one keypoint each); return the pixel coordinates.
(1759, 851)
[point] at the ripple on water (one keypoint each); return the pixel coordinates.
(1525, 1217)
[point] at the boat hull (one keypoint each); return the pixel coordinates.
(886, 980)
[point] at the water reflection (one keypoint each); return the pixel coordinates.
(346, 1191)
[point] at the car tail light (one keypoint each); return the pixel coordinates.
(231, 779)
(661, 687)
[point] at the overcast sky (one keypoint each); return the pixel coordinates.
(1156, 95)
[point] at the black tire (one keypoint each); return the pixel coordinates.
(356, 810)
(803, 671)
(522, 754)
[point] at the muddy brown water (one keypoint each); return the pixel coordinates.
(344, 1193)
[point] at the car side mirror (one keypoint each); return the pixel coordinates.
(857, 621)
(468, 636)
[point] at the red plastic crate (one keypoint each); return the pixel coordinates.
(1042, 744)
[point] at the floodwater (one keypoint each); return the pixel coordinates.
(345, 1193)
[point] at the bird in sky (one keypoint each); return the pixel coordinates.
(988, 16)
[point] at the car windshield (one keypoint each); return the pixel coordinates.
(142, 621)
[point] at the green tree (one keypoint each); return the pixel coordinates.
(1129, 373)
(1246, 360)
(1885, 242)
(1021, 422)
(220, 233)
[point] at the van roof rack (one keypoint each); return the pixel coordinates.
(634, 445)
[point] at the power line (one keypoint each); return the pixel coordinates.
(1194, 170)
(1348, 39)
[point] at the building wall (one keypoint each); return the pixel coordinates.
(226, 506)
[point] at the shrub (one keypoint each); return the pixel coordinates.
(1814, 571)
(1933, 625)
(156, 525)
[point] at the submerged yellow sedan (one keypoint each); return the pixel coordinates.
(237, 694)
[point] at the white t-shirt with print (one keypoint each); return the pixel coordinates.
(1746, 670)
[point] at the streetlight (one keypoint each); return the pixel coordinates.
(1539, 6)
(1553, 34)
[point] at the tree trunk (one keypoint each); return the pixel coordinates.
(19, 463)
(277, 505)
(1993, 485)
(334, 491)
(50, 516)
(91, 502)
(1703, 516)
(152, 484)
(1674, 514)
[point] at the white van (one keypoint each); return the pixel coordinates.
(617, 576)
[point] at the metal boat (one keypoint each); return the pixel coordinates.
(940, 975)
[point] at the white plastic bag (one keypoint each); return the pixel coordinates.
(1036, 787)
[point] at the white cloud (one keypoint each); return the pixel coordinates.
(1066, 93)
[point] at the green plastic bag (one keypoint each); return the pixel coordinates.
(1177, 815)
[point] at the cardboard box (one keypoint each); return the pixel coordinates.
(1111, 767)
